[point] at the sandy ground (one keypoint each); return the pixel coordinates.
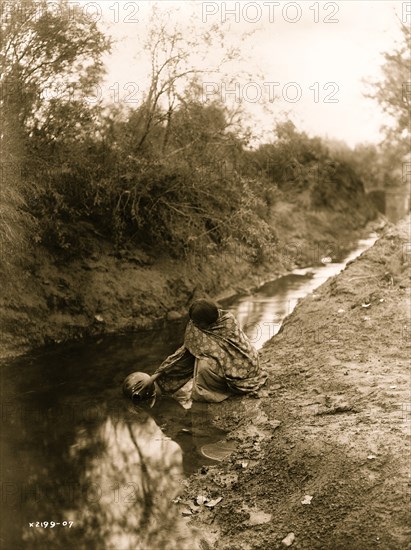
(323, 456)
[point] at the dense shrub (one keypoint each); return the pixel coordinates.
(201, 193)
(177, 179)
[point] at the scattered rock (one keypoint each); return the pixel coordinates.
(288, 540)
(256, 516)
(336, 409)
(173, 315)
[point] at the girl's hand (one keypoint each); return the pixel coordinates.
(144, 387)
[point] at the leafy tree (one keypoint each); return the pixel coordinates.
(47, 56)
(292, 159)
(393, 91)
(175, 52)
(50, 62)
(173, 174)
(192, 198)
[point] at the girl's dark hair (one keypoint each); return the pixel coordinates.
(203, 312)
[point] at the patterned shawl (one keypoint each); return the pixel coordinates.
(225, 342)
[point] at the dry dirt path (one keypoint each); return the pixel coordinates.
(325, 452)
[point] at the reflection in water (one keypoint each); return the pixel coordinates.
(133, 479)
(262, 313)
(113, 473)
(88, 455)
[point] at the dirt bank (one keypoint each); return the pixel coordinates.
(113, 290)
(323, 453)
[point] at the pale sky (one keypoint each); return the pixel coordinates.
(309, 60)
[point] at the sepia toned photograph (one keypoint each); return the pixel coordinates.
(205, 262)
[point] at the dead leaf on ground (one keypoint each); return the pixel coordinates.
(193, 507)
(213, 502)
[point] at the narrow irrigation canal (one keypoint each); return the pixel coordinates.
(81, 465)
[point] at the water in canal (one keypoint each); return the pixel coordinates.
(84, 468)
